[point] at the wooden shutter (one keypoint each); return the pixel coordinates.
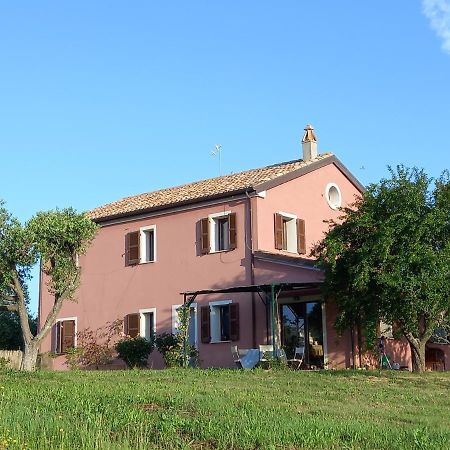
(278, 231)
(204, 232)
(301, 237)
(67, 335)
(132, 325)
(234, 321)
(132, 254)
(232, 230)
(205, 324)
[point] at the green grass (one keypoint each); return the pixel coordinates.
(224, 409)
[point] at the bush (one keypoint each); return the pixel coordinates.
(134, 351)
(171, 348)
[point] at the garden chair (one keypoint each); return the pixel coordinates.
(297, 360)
(264, 352)
(236, 356)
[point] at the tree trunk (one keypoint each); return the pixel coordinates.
(30, 356)
(418, 355)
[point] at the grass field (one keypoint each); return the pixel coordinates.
(224, 409)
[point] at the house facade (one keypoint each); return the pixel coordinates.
(253, 228)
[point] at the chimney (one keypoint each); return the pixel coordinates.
(309, 144)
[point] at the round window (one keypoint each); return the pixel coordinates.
(333, 196)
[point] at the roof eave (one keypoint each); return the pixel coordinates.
(308, 169)
(139, 212)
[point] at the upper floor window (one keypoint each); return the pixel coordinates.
(140, 246)
(218, 232)
(333, 196)
(290, 233)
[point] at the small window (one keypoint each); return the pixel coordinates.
(148, 244)
(65, 335)
(289, 233)
(140, 246)
(333, 196)
(218, 232)
(147, 323)
(222, 322)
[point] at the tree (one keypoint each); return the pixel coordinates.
(388, 259)
(55, 238)
(10, 333)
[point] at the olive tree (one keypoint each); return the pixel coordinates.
(55, 239)
(388, 258)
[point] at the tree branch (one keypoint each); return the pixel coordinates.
(21, 308)
(10, 308)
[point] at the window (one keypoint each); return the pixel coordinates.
(333, 196)
(290, 233)
(140, 246)
(148, 244)
(218, 232)
(147, 323)
(65, 334)
(141, 324)
(220, 322)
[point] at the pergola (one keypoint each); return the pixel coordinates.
(268, 293)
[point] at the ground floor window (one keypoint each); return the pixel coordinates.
(192, 330)
(302, 326)
(64, 335)
(220, 322)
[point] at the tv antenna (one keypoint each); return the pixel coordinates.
(218, 152)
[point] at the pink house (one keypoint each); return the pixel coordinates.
(239, 244)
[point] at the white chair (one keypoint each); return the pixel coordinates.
(263, 350)
(297, 360)
(236, 356)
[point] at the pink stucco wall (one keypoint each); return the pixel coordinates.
(305, 198)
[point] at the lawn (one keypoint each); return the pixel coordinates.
(224, 409)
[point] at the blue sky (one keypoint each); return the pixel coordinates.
(101, 100)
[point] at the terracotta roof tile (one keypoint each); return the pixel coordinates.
(198, 190)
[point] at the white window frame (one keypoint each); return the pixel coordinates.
(332, 205)
(63, 319)
(291, 246)
(143, 232)
(175, 322)
(215, 320)
(142, 313)
(212, 220)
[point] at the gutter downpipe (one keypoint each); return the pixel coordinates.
(272, 304)
(252, 269)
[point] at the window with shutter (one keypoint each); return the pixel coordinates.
(65, 335)
(204, 231)
(278, 220)
(232, 231)
(205, 325)
(286, 237)
(301, 237)
(234, 321)
(132, 325)
(132, 253)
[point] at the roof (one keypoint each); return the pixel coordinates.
(201, 190)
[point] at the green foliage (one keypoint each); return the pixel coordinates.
(172, 347)
(56, 239)
(94, 347)
(389, 258)
(134, 351)
(225, 409)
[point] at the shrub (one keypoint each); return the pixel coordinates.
(134, 351)
(171, 348)
(94, 347)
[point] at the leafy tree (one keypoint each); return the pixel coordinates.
(388, 259)
(10, 333)
(55, 238)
